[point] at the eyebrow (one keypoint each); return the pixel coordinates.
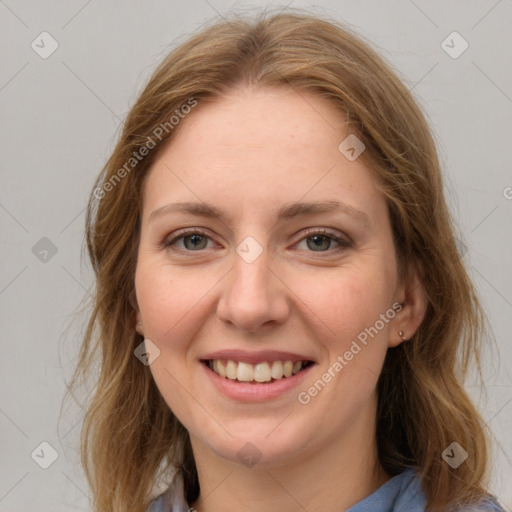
(287, 211)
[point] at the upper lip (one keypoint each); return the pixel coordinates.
(262, 356)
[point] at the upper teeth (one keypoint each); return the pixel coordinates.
(261, 372)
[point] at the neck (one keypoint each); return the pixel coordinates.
(334, 478)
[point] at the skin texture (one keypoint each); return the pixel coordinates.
(249, 154)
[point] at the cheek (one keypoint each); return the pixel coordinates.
(174, 304)
(162, 296)
(345, 301)
(154, 298)
(169, 303)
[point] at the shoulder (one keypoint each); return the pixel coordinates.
(487, 504)
(172, 500)
(160, 504)
(410, 496)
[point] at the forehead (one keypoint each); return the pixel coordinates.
(252, 119)
(260, 147)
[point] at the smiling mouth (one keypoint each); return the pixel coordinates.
(260, 373)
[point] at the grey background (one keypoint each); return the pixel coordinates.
(60, 117)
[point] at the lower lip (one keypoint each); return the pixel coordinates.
(257, 392)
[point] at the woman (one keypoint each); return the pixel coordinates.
(283, 314)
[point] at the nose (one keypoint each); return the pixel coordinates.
(253, 296)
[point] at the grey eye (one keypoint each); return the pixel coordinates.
(320, 242)
(196, 241)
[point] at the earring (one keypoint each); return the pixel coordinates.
(401, 334)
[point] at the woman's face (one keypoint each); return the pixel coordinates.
(262, 246)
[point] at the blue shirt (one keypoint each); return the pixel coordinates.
(403, 493)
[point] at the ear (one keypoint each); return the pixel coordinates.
(411, 295)
(138, 317)
(138, 323)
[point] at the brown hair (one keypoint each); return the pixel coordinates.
(130, 438)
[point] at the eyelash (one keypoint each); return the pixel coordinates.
(343, 243)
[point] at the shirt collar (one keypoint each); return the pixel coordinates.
(402, 493)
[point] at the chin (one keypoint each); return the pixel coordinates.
(260, 448)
